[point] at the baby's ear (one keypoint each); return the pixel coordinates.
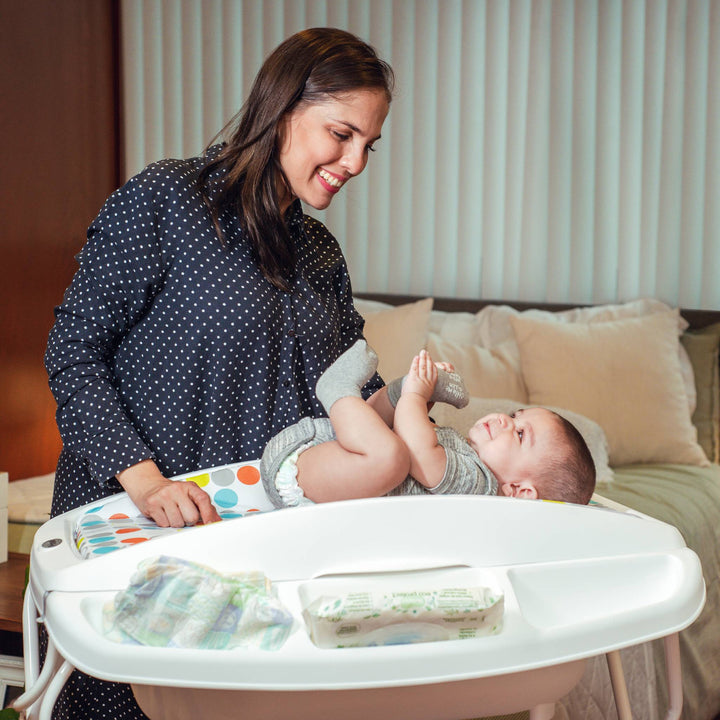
(524, 489)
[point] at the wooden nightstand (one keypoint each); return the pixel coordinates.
(12, 585)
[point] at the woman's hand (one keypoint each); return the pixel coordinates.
(164, 501)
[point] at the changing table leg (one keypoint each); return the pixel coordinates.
(542, 712)
(34, 691)
(53, 691)
(31, 640)
(674, 677)
(617, 678)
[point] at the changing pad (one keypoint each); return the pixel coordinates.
(115, 523)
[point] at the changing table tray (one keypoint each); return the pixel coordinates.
(578, 581)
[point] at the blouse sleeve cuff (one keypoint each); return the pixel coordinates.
(115, 450)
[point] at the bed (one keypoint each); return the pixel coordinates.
(665, 466)
(631, 369)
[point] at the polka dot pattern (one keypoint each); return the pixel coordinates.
(87, 698)
(95, 535)
(234, 489)
(169, 346)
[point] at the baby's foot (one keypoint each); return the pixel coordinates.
(450, 389)
(346, 376)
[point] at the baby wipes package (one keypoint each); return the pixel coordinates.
(389, 610)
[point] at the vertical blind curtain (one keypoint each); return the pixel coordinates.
(546, 150)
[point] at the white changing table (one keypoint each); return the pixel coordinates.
(578, 581)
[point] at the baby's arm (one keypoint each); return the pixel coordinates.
(412, 424)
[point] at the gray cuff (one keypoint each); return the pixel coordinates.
(465, 476)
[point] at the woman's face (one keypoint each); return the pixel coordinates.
(323, 145)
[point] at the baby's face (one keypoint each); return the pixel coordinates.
(514, 446)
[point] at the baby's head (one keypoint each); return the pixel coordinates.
(535, 453)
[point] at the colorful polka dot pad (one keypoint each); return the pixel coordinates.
(234, 489)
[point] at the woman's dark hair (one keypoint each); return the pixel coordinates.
(309, 67)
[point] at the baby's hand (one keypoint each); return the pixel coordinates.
(422, 376)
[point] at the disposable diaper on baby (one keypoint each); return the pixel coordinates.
(360, 618)
(172, 602)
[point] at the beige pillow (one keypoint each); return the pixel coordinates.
(456, 326)
(702, 348)
(487, 373)
(365, 306)
(624, 374)
(493, 326)
(462, 420)
(396, 334)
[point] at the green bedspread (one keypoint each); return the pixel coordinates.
(687, 497)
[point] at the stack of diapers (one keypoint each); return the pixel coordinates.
(387, 610)
(172, 602)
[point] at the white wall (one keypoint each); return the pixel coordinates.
(536, 149)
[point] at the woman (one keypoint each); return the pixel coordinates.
(207, 305)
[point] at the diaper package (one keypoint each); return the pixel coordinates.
(361, 618)
(172, 602)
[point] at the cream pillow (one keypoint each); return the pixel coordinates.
(396, 334)
(462, 420)
(494, 328)
(458, 326)
(365, 306)
(624, 374)
(494, 320)
(487, 373)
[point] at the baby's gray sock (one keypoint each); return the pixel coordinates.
(346, 376)
(449, 388)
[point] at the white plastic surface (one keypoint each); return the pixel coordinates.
(578, 581)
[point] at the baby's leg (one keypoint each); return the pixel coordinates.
(367, 460)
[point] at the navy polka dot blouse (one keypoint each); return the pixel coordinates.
(169, 346)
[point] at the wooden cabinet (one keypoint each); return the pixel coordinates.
(60, 148)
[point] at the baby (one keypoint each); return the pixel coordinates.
(363, 451)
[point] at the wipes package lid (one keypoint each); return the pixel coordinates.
(395, 609)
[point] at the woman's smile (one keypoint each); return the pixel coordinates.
(330, 182)
(324, 144)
